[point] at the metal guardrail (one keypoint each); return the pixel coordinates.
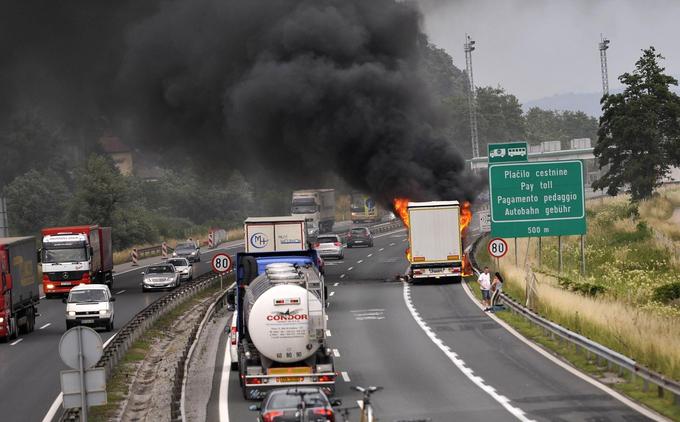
(131, 331)
(602, 353)
(152, 251)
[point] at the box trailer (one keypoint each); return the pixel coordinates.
(19, 288)
(275, 234)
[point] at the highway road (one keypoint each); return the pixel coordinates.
(436, 353)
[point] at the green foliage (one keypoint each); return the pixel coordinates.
(667, 293)
(639, 134)
(35, 200)
(548, 125)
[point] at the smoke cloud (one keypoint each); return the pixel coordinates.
(294, 88)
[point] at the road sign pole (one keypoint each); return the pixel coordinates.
(583, 256)
(540, 250)
(81, 369)
(515, 252)
(220, 281)
(559, 254)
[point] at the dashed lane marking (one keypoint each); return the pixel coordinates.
(336, 284)
(369, 255)
(403, 240)
(381, 249)
(328, 333)
(342, 276)
(121, 291)
(460, 364)
(331, 294)
(350, 268)
(392, 244)
(15, 342)
(45, 326)
(345, 376)
(336, 353)
(360, 261)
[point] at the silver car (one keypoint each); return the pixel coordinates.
(329, 245)
(160, 276)
(183, 268)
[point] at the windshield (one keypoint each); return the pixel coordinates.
(178, 262)
(304, 206)
(291, 401)
(185, 246)
(93, 295)
(160, 269)
(327, 239)
(64, 255)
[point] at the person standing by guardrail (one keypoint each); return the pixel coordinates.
(496, 288)
(484, 281)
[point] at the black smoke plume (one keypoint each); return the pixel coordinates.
(293, 88)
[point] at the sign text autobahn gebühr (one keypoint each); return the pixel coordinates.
(544, 198)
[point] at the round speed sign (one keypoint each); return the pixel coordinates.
(497, 247)
(221, 263)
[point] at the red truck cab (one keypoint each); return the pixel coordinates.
(75, 255)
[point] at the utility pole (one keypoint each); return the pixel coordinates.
(469, 47)
(4, 221)
(603, 46)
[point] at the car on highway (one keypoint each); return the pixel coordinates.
(329, 245)
(295, 404)
(90, 304)
(232, 343)
(160, 276)
(359, 236)
(183, 268)
(187, 250)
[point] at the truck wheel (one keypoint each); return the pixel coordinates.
(68, 325)
(109, 325)
(30, 321)
(234, 366)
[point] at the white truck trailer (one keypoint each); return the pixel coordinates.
(317, 207)
(436, 250)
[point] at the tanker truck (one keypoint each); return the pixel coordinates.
(280, 306)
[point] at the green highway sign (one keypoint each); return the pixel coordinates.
(544, 198)
(508, 152)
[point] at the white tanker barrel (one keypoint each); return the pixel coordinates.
(278, 318)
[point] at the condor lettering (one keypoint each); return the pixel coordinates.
(286, 317)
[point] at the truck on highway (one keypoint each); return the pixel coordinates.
(75, 255)
(317, 207)
(280, 306)
(435, 244)
(364, 209)
(19, 288)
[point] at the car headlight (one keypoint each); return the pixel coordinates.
(193, 253)
(174, 254)
(103, 312)
(185, 271)
(71, 313)
(2, 319)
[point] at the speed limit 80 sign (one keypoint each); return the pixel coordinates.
(497, 247)
(221, 263)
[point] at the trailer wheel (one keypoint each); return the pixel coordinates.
(30, 321)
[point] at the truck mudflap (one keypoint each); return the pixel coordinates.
(256, 386)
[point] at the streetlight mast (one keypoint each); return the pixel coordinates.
(603, 46)
(469, 47)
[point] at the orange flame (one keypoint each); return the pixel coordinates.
(465, 219)
(401, 209)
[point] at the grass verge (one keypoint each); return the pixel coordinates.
(626, 384)
(118, 385)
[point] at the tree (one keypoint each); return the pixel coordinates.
(549, 125)
(35, 200)
(639, 134)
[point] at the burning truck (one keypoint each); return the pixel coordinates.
(435, 234)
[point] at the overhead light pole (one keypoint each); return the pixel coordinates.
(603, 46)
(469, 47)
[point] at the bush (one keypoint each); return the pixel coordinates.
(667, 293)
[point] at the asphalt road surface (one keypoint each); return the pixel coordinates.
(436, 354)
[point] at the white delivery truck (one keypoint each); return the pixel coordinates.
(317, 207)
(436, 249)
(275, 234)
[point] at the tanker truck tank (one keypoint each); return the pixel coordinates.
(283, 314)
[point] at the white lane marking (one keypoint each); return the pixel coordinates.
(336, 353)
(121, 291)
(45, 326)
(369, 255)
(345, 376)
(42, 297)
(403, 240)
(392, 244)
(367, 310)
(336, 284)
(16, 342)
(381, 249)
(363, 318)
(328, 333)
(460, 364)
(223, 401)
(342, 276)
(623, 399)
(360, 261)
(331, 294)
(350, 268)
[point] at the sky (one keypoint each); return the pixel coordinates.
(540, 48)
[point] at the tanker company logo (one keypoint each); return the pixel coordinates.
(259, 240)
(288, 315)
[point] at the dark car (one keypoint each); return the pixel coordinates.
(359, 236)
(296, 404)
(188, 250)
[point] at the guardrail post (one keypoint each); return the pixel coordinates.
(659, 391)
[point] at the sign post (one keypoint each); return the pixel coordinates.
(537, 199)
(497, 248)
(221, 263)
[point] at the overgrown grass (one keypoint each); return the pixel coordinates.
(119, 384)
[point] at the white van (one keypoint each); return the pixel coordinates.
(90, 304)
